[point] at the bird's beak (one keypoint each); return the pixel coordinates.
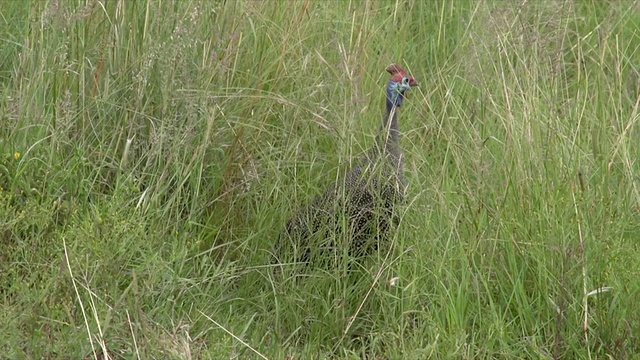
(413, 82)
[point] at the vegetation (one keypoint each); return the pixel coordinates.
(151, 152)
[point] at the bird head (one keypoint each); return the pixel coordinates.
(399, 85)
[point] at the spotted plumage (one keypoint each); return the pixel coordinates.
(362, 202)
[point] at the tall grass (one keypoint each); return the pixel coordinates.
(150, 153)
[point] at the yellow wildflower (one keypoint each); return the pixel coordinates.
(16, 155)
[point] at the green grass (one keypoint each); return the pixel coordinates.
(151, 152)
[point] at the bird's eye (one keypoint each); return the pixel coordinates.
(405, 81)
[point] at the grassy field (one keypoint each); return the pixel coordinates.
(151, 152)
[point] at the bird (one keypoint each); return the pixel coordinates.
(361, 203)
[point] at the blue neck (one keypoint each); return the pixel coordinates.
(394, 97)
(390, 132)
(388, 139)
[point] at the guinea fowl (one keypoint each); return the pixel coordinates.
(362, 202)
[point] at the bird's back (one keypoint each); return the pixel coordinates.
(361, 205)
